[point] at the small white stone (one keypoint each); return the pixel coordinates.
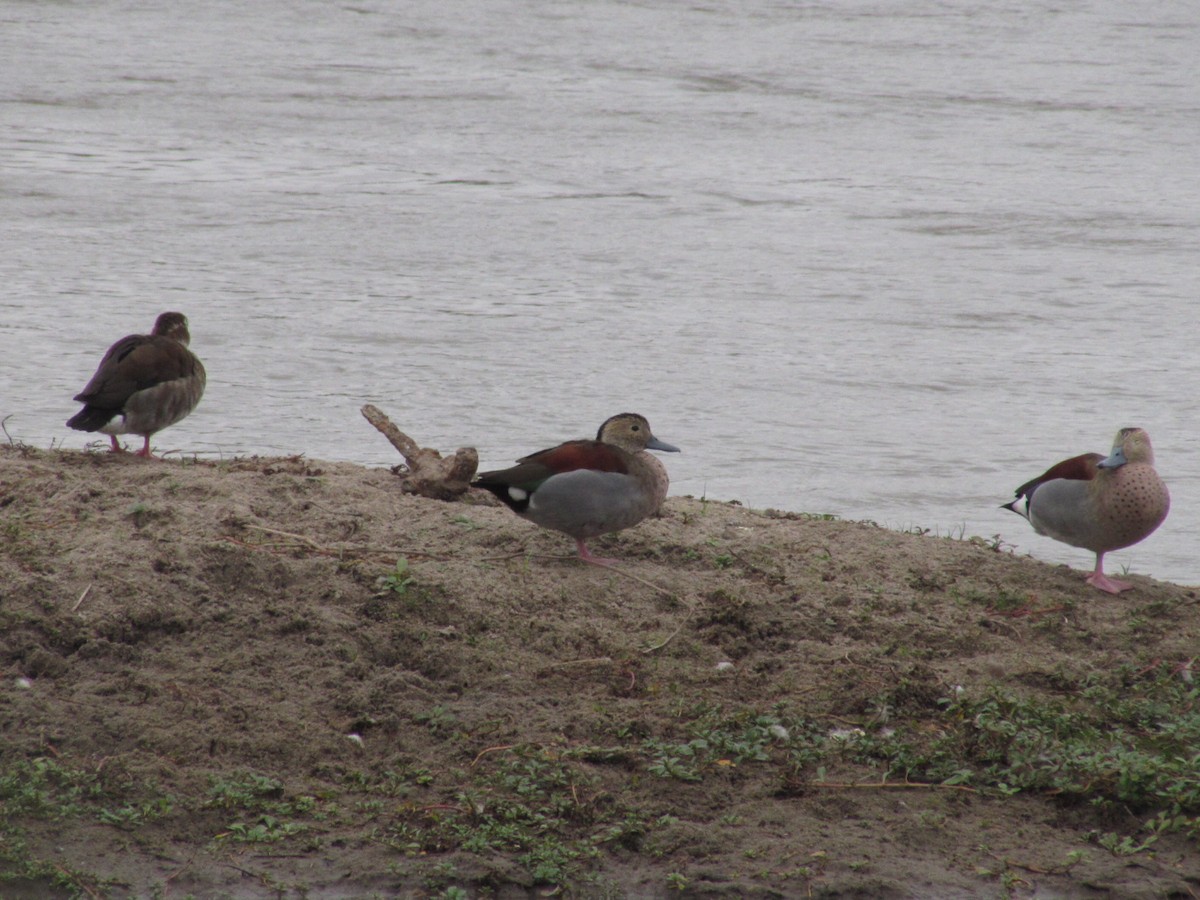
(724, 666)
(357, 738)
(24, 683)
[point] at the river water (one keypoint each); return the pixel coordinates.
(883, 260)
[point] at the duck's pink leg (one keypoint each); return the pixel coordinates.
(586, 555)
(1100, 580)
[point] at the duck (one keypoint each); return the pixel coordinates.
(586, 488)
(1100, 503)
(144, 383)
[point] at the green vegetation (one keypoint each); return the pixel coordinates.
(531, 803)
(398, 580)
(1137, 745)
(44, 789)
(1125, 742)
(264, 811)
(1131, 744)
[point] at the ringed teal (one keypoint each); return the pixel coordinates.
(589, 487)
(144, 383)
(1099, 503)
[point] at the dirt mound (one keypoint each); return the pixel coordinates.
(285, 678)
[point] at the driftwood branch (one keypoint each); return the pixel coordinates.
(429, 473)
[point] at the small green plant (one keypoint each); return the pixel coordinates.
(132, 815)
(243, 790)
(995, 543)
(1123, 845)
(667, 766)
(267, 830)
(1172, 823)
(676, 881)
(139, 513)
(1074, 858)
(265, 801)
(719, 740)
(398, 580)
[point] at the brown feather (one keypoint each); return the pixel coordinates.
(1078, 468)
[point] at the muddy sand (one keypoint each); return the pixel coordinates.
(286, 678)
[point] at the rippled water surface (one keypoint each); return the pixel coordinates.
(881, 260)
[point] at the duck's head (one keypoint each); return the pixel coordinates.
(172, 325)
(631, 432)
(1131, 445)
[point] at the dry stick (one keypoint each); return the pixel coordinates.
(670, 637)
(87, 590)
(513, 555)
(1028, 612)
(246, 872)
(321, 548)
(650, 584)
(299, 537)
(46, 526)
(67, 879)
(270, 548)
(892, 785)
(276, 547)
(183, 868)
(855, 722)
(1057, 870)
(402, 551)
(482, 753)
(594, 661)
(407, 446)
(430, 474)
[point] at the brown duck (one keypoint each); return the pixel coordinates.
(144, 383)
(588, 488)
(1100, 503)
